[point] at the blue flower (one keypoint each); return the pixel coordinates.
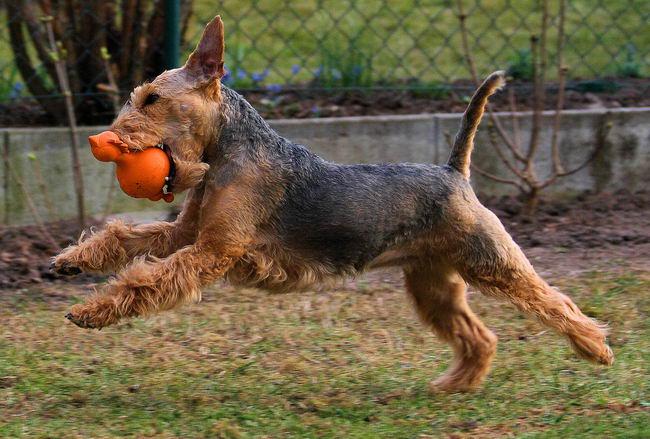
(275, 88)
(18, 86)
(295, 69)
(356, 70)
(336, 74)
(257, 76)
(315, 110)
(227, 77)
(318, 71)
(241, 74)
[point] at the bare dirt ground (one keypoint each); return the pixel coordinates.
(582, 95)
(564, 237)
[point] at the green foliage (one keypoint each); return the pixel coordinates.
(345, 66)
(236, 76)
(595, 86)
(520, 65)
(8, 83)
(632, 64)
(431, 90)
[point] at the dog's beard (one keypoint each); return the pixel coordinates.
(188, 174)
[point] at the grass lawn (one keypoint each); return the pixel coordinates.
(350, 363)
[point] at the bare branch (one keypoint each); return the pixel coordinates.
(538, 49)
(43, 188)
(536, 112)
(601, 141)
(59, 63)
(472, 69)
(562, 72)
(497, 178)
(39, 38)
(465, 37)
(512, 146)
(497, 146)
(32, 207)
(515, 126)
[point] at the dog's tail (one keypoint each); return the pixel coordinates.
(464, 142)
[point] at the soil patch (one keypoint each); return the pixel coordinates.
(591, 220)
(25, 253)
(581, 94)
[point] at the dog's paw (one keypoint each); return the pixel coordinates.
(64, 268)
(97, 313)
(82, 322)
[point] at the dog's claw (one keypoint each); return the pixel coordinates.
(66, 269)
(82, 323)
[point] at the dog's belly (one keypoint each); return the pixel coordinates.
(280, 270)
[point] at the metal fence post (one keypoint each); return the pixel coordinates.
(172, 33)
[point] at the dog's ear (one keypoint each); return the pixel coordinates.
(206, 62)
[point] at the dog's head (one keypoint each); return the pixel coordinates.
(180, 108)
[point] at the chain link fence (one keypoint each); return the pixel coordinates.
(375, 43)
(308, 45)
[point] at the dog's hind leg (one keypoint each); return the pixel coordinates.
(439, 295)
(489, 259)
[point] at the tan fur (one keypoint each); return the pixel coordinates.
(488, 258)
(439, 295)
(277, 270)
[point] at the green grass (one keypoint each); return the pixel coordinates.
(352, 363)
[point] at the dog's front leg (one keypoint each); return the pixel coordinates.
(146, 286)
(229, 215)
(118, 243)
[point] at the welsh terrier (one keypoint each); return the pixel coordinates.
(265, 212)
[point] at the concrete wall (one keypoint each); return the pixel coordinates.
(625, 162)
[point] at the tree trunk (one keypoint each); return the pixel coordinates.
(131, 30)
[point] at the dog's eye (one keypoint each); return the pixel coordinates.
(153, 97)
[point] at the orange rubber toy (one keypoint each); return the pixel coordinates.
(141, 174)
